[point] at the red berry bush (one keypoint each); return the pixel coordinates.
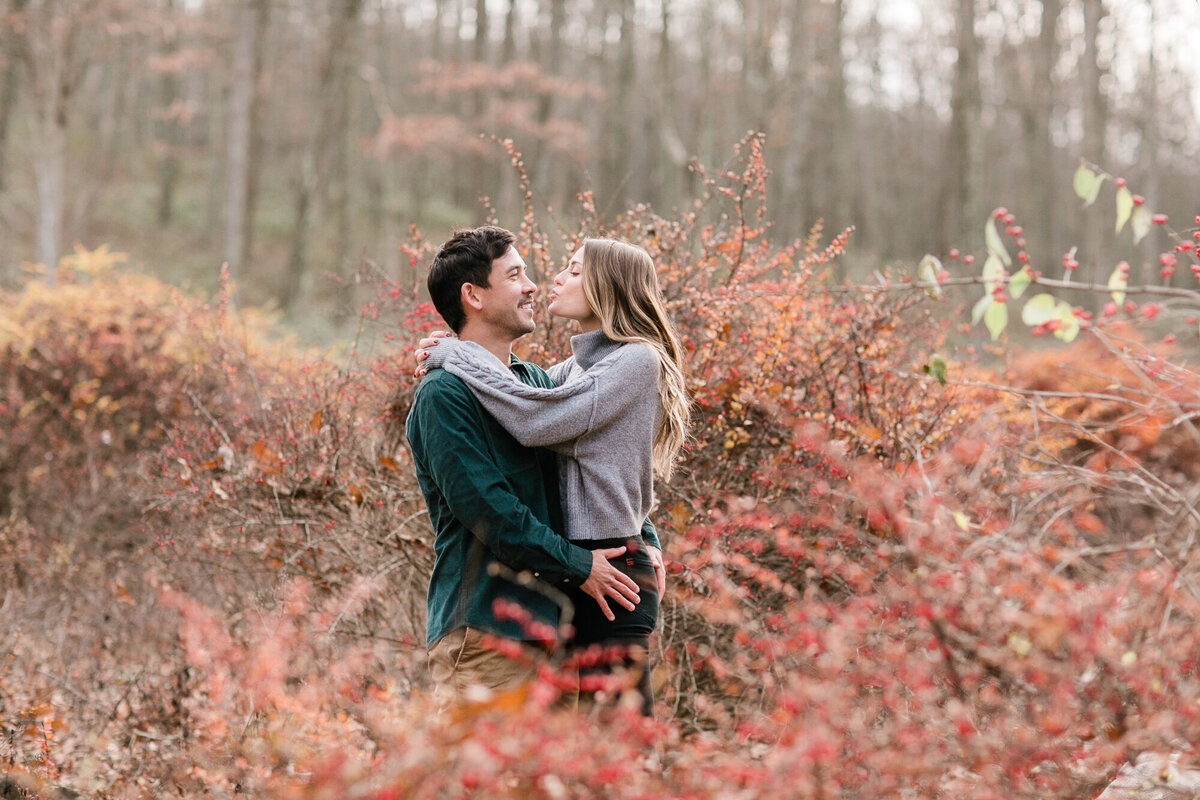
(897, 569)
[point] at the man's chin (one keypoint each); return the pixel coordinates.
(523, 327)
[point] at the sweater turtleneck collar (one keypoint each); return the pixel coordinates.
(591, 347)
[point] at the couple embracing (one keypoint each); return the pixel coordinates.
(545, 472)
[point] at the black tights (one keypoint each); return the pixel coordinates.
(605, 649)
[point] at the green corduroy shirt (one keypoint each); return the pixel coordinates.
(489, 499)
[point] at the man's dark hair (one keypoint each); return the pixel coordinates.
(466, 257)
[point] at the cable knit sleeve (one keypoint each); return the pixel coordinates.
(557, 417)
(560, 373)
(438, 353)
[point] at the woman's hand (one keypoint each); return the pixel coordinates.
(429, 341)
(660, 568)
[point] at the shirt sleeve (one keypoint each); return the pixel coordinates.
(479, 495)
(557, 417)
(650, 534)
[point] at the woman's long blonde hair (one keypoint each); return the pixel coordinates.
(621, 285)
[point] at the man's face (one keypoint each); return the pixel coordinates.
(508, 300)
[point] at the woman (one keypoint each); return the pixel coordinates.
(617, 420)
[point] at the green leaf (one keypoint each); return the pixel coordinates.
(996, 319)
(1039, 310)
(937, 368)
(993, 273)
(1087, 184)
(1117, 283)
(1068, 327)
(995, 245)
(1142, 220)
(980, 307)
(1020, 281)
(927, 272)
(1124, 206)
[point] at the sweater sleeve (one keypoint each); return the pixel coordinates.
(557, 417)
(561, 372)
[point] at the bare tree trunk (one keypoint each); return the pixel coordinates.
(1150, 181)
(841, 128)
(1041, 148)
(322, 165)
(1095, 122)
(796, 96)
(262, 11)
(549, 54)
(629, 143)
(168, 135)
(239, 168)
(508, 52)
(671, 168)
(49, 46)
(8, 82)
(50, 167)
(961, 205)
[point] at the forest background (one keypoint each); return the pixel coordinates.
(299, 140)
(934, 535)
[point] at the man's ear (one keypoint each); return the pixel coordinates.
(469, 293)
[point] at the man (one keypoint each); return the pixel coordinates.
(490, 499)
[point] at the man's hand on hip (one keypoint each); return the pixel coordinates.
(605, 580)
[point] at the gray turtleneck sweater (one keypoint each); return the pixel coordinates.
(600, 421)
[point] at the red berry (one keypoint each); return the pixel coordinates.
(1120, 182)
(1138, 199)
(1159, 219)
(1023, 257)
(970, 259)
(1169, 338)
(954, 252)
(1110, 308)
(1000, 213)
(1021, 242)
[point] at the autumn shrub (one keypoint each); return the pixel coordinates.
(98, 368)
(968, 652)
(892, 573)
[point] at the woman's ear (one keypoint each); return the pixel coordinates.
(469, 294)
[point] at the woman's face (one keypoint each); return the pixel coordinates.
(567, 299)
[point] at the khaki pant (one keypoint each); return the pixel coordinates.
(460, 663)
